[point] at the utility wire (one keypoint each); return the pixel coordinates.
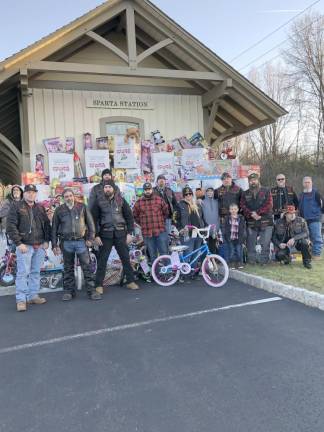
(276, 46)
(274, 31)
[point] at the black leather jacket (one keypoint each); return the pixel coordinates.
(28, 225)
(284, 231)
(168, 197)
(112, 215)
(74, 224)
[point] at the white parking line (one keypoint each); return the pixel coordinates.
(132, 325)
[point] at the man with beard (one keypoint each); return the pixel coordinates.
(291, 231)
(310, 208)
(150, 213)
(73, 227)
(114, 223)
(98, 189)
(282, 195)
(29, 229)
(168, 197)
(256, 204)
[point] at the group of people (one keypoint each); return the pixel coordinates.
(256, 216)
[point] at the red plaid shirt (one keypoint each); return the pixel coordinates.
(150, 214)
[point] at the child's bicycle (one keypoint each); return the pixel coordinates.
(166, 269)
(8, 268)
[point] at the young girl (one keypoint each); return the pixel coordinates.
(234, 233)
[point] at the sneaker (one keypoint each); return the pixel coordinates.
(67, 297)
(95, 296)
(307, 265)
(99, 290)
(132, 286)
(240, 266)
(21, 307)
(37, 300)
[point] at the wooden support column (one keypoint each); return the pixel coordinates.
(211, 120)
(131, 36)
(24, 124)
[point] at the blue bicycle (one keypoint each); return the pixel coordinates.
(166, 269)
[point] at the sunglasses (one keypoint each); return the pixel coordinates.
(281, 179)
(188, 194)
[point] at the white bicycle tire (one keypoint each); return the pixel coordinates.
(156, 279)
(205, 276)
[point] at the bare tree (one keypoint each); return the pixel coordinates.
(282, 137)
(305, 59)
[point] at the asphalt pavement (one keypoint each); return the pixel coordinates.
(187, 358)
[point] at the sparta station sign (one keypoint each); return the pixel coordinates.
(122, 103)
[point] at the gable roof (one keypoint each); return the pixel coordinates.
(235, 105)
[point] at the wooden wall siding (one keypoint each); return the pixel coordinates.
(64, 113)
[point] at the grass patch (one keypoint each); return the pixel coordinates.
(293, 274)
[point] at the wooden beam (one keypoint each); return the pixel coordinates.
(216, 92)
(227, 117)
(238, 107)
(46, 66)
(94, 36)
(211, 121)
(169, 59)
(131, 36)
(240, 95)
(49, 45)
(122, 88)
(153, 49)
(224, 135)
(13, 149)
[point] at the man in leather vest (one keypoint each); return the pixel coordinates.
(72, 233)
(168, 197)
(256, 205)
(291, 231)
(28, 227)
(114, 223)
(282, 196)
(227, 194)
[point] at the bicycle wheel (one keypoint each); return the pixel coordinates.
(164, 278)
(215, 271)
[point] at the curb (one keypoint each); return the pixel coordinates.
(308, 298)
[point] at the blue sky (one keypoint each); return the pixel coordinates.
(226, 26)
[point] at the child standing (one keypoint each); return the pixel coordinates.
(234, 233)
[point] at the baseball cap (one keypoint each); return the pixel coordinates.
(147, 185)
(253, 176)
(161, 177)
(30, 187)
(225, 175)
(186, 190)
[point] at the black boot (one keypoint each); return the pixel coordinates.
(307, 264)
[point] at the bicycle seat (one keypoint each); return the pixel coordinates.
(179, 248)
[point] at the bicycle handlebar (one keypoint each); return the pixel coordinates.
(199, 231)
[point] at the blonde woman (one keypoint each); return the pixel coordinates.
(189, 213)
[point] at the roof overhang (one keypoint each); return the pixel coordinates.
(232, 104)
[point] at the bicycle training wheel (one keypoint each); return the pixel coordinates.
(162, 271)
(215, 270)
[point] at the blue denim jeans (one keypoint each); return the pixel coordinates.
(235, 252)
(28, 273)
(157, 244)
(316, 237)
